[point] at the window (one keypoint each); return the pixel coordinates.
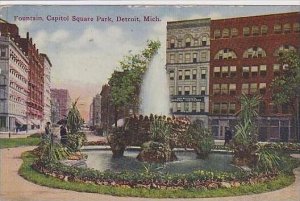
(232, 71)
(179, 91)
(225, 33)
(246, 72)
(186, 107)
(253, 88)
(172, 58)
(287, 27)
(194, 90)
(277, 28)
(254, 52)
(225, 71)
(179, 44)
(216, 89)
(234, 32)
(224, 108)
(263, 70)
(194, 106)
(203, 74)
(202, 107)
(202, 90)
(225, 54)
(245, 88)
(255, 30)
(224, 88)
(203, 56)
(180, 75)
(187, 58)
(217, 71)
(296, 27)
(204, 41)
(180, 58)
(284, 48)
(171, 91)
(187, 74)
(172, 44)
(264, 29)
(246, 31)
(194, 74)
(172, 75)
(217, 33)
(196, 42)
(178, 107)
(232, 108)
(254, 71)
(186, 90)
(276, 69)
(187, 42)
(262, 88)
(232, 89)
(216, 108)
(2, 52)
(195, 55)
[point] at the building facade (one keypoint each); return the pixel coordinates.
(55, 113)
(96, 111)
(244, 60)
(14, 69)
(188, 54)
(47, 86)
(62, 97)
(107, 109)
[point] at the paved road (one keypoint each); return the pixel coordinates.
(15, 188)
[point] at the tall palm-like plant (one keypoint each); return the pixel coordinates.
(245, 139)
(74, 121)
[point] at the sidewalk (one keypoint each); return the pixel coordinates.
(15, 188)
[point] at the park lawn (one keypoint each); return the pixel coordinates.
(30, 174)
(18, 142)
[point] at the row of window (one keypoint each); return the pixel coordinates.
(190, 74)
(247, 88)
(189, 41)
(18, 88)
(187, 90)
(253, 52)
(17, 75)
(224, 108)
(16, 109)
(18, 61)
(257, 30)
(189, 107)
(188, 57)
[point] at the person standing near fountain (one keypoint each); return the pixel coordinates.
(228, 136)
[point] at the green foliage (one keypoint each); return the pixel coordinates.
(200, 139)
(268, 159)
(17, 142)
(286, 85)
(74, 119)
(160, 130)
(75, 141)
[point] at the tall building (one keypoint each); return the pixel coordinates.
(14, 69)
(96, 110)
(55, 113)
(107, 109)
(47, 86)
(35, 102)
(64, 101)
(244, 59)
(188, 53)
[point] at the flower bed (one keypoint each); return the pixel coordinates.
(198, 179)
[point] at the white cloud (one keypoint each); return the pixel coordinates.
(59, 36)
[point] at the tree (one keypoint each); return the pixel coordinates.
(74, 120)
(286, 87)
(125, 84)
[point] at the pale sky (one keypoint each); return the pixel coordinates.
(84, 54)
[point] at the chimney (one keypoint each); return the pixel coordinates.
(27, 35)
(30, 40)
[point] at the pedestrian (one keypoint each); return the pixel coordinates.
(63, 134)
(228, 136)
(47, 130)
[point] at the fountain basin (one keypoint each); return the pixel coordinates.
(187, 162)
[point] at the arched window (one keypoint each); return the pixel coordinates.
(188, 42)
(225, 54)
(225, 33)
(284, 48)
(204, 41)
(217, 33)
(296, 27)
(234, 32)
(287, 27)
(254, 52)
(172, 43)
(264, 29)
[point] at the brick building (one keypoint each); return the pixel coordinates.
(188, 48)
(62, 97)
(244, 59)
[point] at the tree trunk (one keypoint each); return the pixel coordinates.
(116, 116)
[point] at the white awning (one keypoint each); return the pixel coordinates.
(21, 121)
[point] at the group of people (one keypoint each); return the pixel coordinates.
(62, 132)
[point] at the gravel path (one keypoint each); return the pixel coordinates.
(15, 188)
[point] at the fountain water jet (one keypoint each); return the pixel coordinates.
(154, 94)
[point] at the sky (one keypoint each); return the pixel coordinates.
(84, 54)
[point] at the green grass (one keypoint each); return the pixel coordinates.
(17, 142)
(28, 173)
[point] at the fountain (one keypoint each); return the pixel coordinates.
(155, 91)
